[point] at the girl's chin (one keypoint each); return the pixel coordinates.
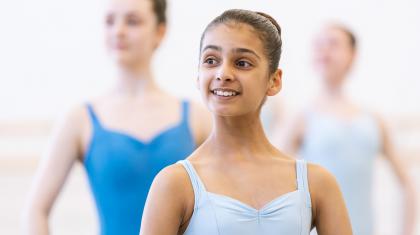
(226, 112)
(124, 61)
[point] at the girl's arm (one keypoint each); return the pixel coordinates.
(169, 204)
(401, 173)
(328, 208)
(61, 154)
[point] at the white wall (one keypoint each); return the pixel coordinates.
(52, 56)
(52, 52)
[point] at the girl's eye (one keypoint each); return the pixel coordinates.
(132, 21)
(210, 61)
(109, 20)
(244, 64)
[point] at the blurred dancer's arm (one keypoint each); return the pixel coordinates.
(401, 172)
(62, 152)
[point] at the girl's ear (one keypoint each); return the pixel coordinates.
(275, 83)
(161, 31)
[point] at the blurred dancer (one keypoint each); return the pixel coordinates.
(346, 138)
(125, 137)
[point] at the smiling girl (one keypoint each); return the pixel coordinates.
(237, 183)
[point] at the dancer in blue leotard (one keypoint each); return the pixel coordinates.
(125, 137)
(237, 183)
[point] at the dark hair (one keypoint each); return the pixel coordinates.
(159, 8)
(267, 29)
(350, 35)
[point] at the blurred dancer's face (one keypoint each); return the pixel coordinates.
(132, 32)
(234, 74)
(333, 55)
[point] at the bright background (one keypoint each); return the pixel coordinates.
(52, 57)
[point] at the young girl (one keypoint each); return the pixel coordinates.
(344, 137)
(125, 137)
(237, 183)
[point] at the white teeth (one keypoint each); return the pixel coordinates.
(224, 93)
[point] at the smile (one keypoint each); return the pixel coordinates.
(225, 92)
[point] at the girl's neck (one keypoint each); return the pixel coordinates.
(135, 82)
(239, 138)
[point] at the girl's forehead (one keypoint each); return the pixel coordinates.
(331, 34)
(233, 35)
(231, 27)
(132, 6)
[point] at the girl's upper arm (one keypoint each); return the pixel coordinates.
(328, 206)
(169, 203)
(62, 151)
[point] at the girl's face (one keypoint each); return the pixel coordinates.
(333, 55)
(234, 76)
(132, 32)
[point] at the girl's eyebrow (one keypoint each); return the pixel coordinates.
(235, 50)
(245, 50)
(213, 47)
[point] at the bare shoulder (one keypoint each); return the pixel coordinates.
(323, 186)
(72, 122)
(76, 114)
(380, 120)
(321, 181)
(320, 178)
(172, 180)
(173, 177)
(169, 203)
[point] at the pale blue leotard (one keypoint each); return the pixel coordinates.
(347, 148)
(215, 214)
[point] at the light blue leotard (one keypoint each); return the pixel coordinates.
(215, 214)
(347, 148)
